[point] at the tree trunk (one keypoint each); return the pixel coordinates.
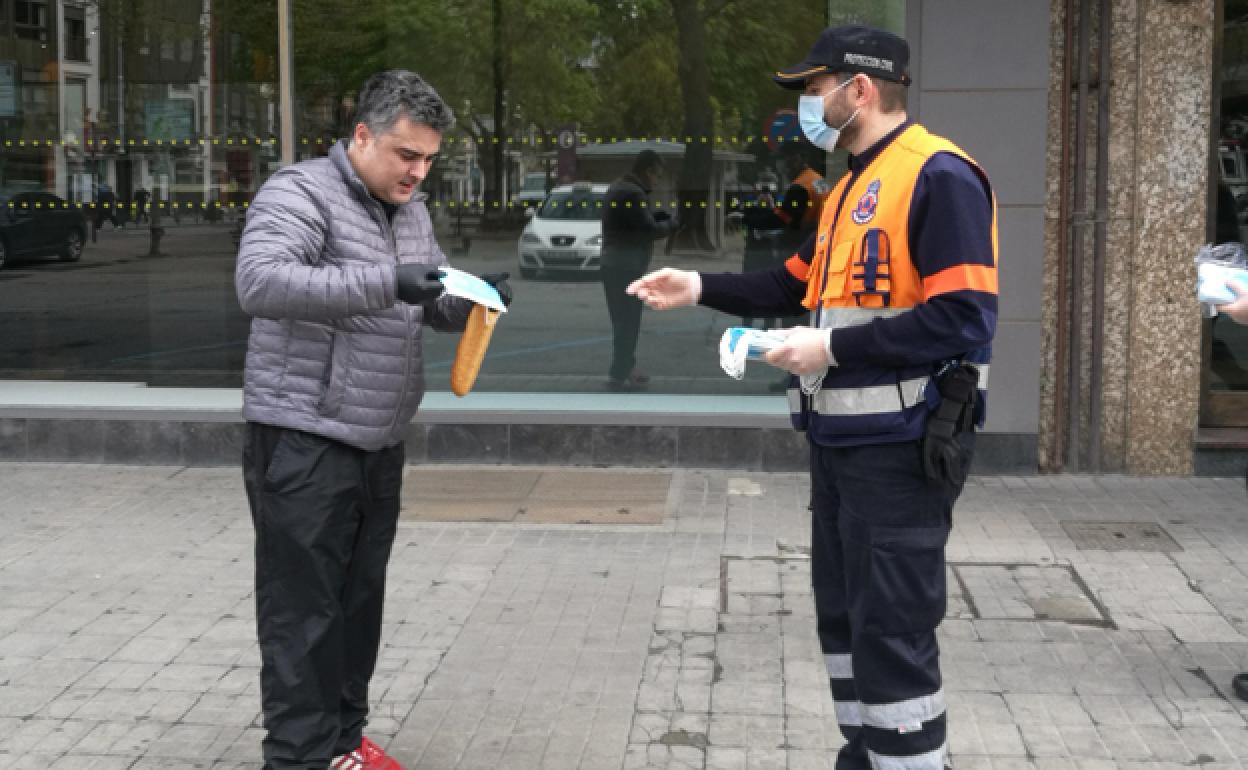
(494, 184)
(695, 174)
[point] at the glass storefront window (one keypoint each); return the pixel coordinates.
(1227, 357)
(133, 139)
(144, 127)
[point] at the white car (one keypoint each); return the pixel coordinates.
(565, 233)
(532, 192)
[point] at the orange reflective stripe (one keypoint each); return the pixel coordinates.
(797, 268)
(961, 278)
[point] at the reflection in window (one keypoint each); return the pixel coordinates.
(75, 33)
(136, 156)
(30, 19)
(1228, 363)
(583, 202)
(179, 109)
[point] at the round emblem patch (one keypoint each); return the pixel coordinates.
(864, 212)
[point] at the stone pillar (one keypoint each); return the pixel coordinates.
(1171, 168)
(1159, 111)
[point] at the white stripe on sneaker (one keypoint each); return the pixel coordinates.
(352, 761)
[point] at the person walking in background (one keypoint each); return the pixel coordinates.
(630, 226)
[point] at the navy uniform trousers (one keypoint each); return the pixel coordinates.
(879, 529)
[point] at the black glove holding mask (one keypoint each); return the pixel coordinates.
(499, 282)
(418, 283)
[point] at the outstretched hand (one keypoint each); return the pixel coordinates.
(667, 288)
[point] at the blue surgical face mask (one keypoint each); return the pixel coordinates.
(810, 115)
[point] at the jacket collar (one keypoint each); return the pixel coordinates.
(859, 162)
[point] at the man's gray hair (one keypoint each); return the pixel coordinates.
(389, 95)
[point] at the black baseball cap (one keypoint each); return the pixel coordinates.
(851, 48)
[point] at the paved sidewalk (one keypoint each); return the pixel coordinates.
(126, 628)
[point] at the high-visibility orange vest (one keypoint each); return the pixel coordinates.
(880, 201)
(862, 269)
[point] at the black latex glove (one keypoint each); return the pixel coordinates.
(418, 282)
(946, 461)
(499, 282)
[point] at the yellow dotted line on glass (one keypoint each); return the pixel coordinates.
(536, 141)
(584, 140)
(733, 203)
(132, 206)
(141, 142)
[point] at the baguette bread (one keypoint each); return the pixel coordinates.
(471, 350)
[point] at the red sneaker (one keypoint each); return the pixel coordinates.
(369, 756)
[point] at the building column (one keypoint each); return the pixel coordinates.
(1155, 215)
(1171, 139)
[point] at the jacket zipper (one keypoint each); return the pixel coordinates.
(388, 228)
(808, 401)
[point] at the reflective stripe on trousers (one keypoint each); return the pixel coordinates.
(841, 679)
(898, 715)
(933, 758)
(877, 568)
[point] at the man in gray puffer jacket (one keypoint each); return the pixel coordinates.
(338, 268)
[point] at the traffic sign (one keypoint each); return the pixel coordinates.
(782, 126)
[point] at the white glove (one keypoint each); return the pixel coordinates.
(805, 351)
(1237, 310)
(667, 288)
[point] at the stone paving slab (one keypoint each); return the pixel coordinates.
(127, 626)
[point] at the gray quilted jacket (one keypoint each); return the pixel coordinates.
(331, 351)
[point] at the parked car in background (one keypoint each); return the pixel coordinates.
(532, 191)
(564, 235)
(36, 224)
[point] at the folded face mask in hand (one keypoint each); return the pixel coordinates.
(1212, 279)
(742, 343)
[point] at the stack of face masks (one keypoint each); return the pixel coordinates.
(742, 343)
(1216, 266)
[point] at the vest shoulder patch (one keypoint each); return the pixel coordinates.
(864, 210)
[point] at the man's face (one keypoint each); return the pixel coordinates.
(393, 164)
(841, 100)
